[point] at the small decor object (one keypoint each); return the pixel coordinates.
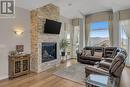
(19, 48)
(86, 52)
(98, 54)
(63, 45)
(12, 53)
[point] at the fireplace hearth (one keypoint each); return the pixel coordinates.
(49, 51)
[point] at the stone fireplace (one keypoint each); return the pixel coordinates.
(41, 57)
(49, 51)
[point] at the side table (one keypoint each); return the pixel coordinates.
(97, 80)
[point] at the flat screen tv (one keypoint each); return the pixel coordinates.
(52, 27)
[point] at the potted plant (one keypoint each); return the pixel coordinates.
(63, 45)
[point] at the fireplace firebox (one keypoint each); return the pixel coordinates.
(49, 51)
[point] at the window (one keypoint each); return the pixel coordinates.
(123, 38)
(99, 34)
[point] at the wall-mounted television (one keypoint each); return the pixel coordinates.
(52, 27)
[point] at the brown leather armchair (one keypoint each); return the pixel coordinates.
(115, 69)
(106, 62)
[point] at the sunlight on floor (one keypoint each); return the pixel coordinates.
(70, 62)
(125, 79)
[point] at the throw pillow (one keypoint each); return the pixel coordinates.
(98, 54)
(86, 52)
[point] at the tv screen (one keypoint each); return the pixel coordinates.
(52, 27)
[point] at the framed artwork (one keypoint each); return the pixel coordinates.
(19, 48)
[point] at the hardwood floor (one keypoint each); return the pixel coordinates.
(125, 79)
(44, 79)
(47, 79)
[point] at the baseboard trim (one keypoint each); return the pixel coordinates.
(3, 76)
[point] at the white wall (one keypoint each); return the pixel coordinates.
(8, 39)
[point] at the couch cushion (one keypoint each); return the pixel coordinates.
(86, 53)
(105, 64)
(110, 52)
(99, 49)
(86, 61)
(93, 58)
(108, 59)
(90, 48)
(98, 54)
(93, 69)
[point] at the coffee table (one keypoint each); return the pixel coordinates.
(97, 80)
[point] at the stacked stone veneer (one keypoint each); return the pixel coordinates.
(38, 18)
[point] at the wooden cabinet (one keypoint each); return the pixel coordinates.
(19, 65)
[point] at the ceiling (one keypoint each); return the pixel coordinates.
(77, 8)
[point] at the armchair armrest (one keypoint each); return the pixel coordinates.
(108, 59)
(105, 64)
(91, 69)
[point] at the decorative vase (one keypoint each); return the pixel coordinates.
(63, 53)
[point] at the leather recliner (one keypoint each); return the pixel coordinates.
(115, 69)
(108, 52)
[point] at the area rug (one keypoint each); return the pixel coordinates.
(74, 73)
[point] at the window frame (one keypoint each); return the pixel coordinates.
(98, 29)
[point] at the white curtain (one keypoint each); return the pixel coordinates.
(98, 17)
(124, 17)
(87, 34)
(125, 25)
(111, 32)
